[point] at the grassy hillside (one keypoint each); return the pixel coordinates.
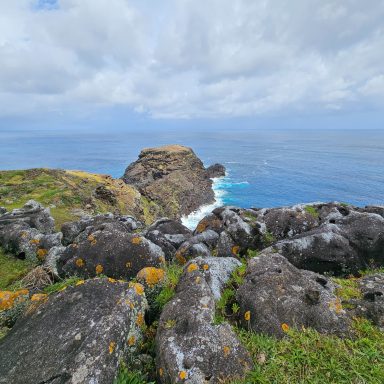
(69, 194)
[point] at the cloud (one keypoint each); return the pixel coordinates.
(191, 58)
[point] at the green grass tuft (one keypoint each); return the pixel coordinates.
(312, 211)
(309, 357)
(125, 376)
(71, 281)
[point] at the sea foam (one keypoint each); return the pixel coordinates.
(218, 186)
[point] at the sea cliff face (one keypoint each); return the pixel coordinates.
(249, 295)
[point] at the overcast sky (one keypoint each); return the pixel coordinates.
(191, 58)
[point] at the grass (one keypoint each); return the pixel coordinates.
(268, 238)
(172, 276)
(312, 211)
(125, 376)
(12, 269)
(71, 281)
(348, 289)
(309, 357)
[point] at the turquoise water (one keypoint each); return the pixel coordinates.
(265, 167)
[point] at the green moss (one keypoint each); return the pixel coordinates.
(71, 281)
(312, 211)
(12, 269)
(348, 289)
(309, 357)
(268, 238)
(172, 276)
(3, 331)
(252, 253)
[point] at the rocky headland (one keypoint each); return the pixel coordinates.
(101, 283)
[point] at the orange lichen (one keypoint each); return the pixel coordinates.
(235, 250)
(92, 239)
(111, 280)
(336, 305)
(34, 241)
(140, 319)
(8, 298)
(80, 263)
(192, 267)
(285, 327)
(131, 341)
(226, 350)
(41, 253)
(80, 282)
(112, 346)
(136, 240)
(139, 289)
(205, 267)
(99, 269)
(151, 275)
(247, 315)
(183, 375)
(161, 372)
(39, 297)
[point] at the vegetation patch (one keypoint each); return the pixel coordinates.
(63, 284)
(309, 357)
(126, 376)
(268, 239)
(12, 269)
(312, 211)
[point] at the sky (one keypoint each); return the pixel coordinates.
(192, 60)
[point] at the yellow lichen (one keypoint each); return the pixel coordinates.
(180, 258)
(247, 315)
(161, 372)
(99, 269)
(112, 346)
(8, 298)
(226, 350)
(80, 263)
(201, 227)
(92, 239)
(183, 375)
(41, 253)
(205, 267)
(235, 250)
(111, 280)
(285, 327)
(151, 275)
(34, 241)
(39, 297)
(140, 319)
(129, 302)
(131, 341)
(198, 279)
(80, 282)
(136, 240)
(128, 264)
(192, 267)
(161, 259)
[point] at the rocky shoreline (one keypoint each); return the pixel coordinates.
(110, 294)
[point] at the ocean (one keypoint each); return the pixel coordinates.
(265, 168)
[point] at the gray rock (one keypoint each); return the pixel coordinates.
(274, 293)
(190, 348)
(111, 250)
(75, 336)
(215, 170)
(52, 259)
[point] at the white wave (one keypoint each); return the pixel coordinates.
(193, 218)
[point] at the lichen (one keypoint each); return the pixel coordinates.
(99, 269)
(151, 275)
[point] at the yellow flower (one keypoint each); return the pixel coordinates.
(111, 280)
(183, 375)
(99, 269)
(285, 327)
(247, 315)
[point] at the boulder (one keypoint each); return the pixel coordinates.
(92, 327)
(275, 296)
(109, 249)
(103, 193)
(28, 232)
(345, 243)
(173, 177)
(216, 170)
(371, 305)
(190, 347)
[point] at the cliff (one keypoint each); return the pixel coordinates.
(173, 177)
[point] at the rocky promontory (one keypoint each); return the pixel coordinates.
(173, 177)
(258, 295)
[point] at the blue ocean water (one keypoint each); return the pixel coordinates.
(266, 168)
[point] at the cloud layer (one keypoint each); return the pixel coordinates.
(191, 58)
